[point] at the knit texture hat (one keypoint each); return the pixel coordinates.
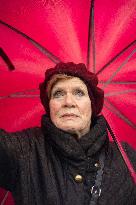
(76, 70)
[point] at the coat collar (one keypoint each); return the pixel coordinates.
(76, 150)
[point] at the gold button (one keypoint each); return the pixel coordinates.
(96, 164)
(78, 178)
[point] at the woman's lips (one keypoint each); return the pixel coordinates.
(69, 115)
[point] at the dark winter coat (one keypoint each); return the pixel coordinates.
(39, 166)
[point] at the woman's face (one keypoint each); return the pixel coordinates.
(70, 106)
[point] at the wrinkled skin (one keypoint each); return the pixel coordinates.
(70, 106)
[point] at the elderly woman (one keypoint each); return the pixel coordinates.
(69, 160)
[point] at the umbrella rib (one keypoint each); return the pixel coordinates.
(21, 94)
(50, 55)
(120, 92)
(119, 82)
(5, 198)
(116, 56)
(18, 96)
(119, 68)
(6, 59)
(91, 33)
(123, 153)
(112, 108)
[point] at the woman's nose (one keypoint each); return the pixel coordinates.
(69, 100)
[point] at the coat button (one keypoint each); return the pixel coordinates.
(96, 165)
(78, 178)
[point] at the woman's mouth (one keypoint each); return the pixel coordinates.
(71, 115)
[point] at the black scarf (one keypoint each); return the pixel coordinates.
(72, 149)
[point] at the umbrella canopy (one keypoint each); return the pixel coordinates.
(35, 35)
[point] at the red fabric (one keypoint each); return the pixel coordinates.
(62, 28)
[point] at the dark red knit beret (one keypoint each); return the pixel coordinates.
(77, 70)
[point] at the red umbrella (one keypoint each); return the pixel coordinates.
(35, 35)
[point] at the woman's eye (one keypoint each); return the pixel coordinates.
(58, 94)
(79, 92)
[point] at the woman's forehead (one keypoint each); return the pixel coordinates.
(59, 80)
(69, 82)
